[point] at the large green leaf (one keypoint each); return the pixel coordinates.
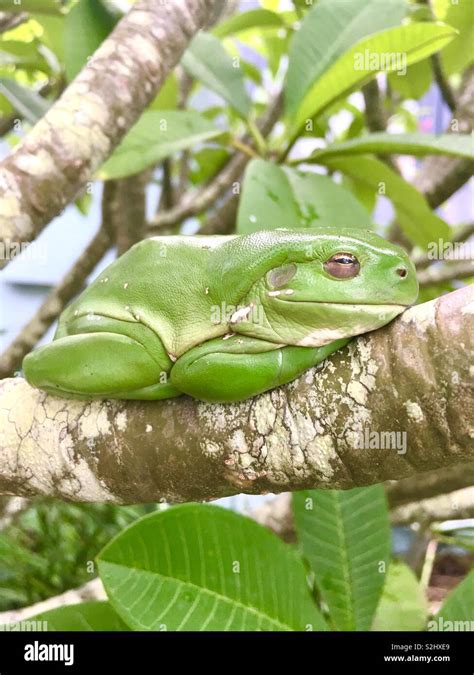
(403, 605)
(197, 567)
(207, 61)
(156, 135)
(87, 616)
(275, 197)
(26, 102)
(255, 18)
(457, 145)
(458, 606)
(414, 215)
(345, 536)
(389, 50)
(85, 27)
(328, 30)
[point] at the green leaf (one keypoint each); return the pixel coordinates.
(22, 55)
(26, 102)
(197, 567)
(208, 161)
(403, 604)
(328, 30)
(52, 33)
(276, 197)
(414, 215)
(87, 616)
(167, 97)
(415, 83)
(458, 606)
(85, 27)
(345, 536)
(390, 50)
(459, 54)
(40, 6)
(456, 145)
(156, 135)
(256, 18)
(207, 61)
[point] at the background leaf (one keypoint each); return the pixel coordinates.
(86, 26)
(457, 145)
(413, 42)
(156, 135)
(86, 616)
(459, 54)
(414, 215)
(328, 30)
(207, 61)
(26, 102)
(255, 18)
(403, 605)
(275, 197)
(40, 6)
(459, 605)
(197, 567)
(345, 536)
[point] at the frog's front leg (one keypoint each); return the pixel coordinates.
(235, 368)
(100, 365)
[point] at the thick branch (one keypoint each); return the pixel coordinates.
(62, 152)
(410, 378)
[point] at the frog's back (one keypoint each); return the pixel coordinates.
(161, 282)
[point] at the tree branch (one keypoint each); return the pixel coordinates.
(457, 269)
(430, 484)
(56, 159)
(456, 505)
(411, 377)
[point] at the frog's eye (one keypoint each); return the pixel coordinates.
(280, 276)
(342, 266)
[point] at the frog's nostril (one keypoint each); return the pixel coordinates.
(402, 272)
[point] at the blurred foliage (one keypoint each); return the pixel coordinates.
(51, 547)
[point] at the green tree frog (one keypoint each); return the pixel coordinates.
(222, 318)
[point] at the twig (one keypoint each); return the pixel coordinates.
(458, 269)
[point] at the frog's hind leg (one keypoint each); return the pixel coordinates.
(99, 365)
(233, 369)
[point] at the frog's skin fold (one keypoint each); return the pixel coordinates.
(222, 318)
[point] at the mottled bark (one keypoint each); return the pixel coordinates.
(412, 377)
(56, 159)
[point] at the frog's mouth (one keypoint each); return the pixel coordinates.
(314, 324)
